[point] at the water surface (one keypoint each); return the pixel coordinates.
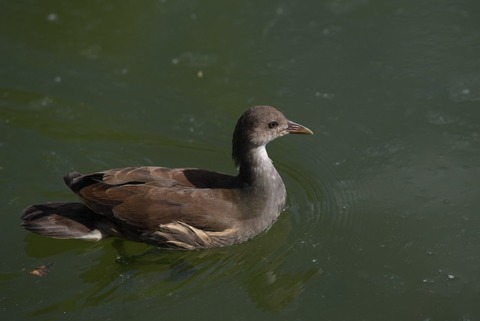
(382, 220)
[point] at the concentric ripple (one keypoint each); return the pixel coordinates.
(326, 198)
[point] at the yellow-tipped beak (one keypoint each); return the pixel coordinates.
(294, 128)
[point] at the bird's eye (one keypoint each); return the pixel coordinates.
(272, 124)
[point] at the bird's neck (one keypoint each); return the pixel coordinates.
(261, 180)
(255, 167)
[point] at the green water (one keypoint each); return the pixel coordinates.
(383, 213)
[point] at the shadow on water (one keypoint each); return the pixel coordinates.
(126, 271)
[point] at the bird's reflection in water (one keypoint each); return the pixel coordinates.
(148, 273)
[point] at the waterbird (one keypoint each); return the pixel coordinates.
(177, 208)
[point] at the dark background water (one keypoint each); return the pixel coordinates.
(383, 212)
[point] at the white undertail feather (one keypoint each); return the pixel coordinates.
(94, 235)
(182, 235)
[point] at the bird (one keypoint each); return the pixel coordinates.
(177, 208)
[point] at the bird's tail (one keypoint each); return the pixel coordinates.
(64, 220)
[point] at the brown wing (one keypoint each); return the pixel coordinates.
(146, 197)
(162, 176)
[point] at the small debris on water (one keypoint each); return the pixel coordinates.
(324, 95)
(52, 17)
(41, 270)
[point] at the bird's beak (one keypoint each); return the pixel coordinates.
(294, 128)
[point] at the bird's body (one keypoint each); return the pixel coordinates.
(183, 208)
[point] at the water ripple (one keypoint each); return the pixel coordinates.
(325, 197)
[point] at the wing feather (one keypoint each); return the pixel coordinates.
(147, 205)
